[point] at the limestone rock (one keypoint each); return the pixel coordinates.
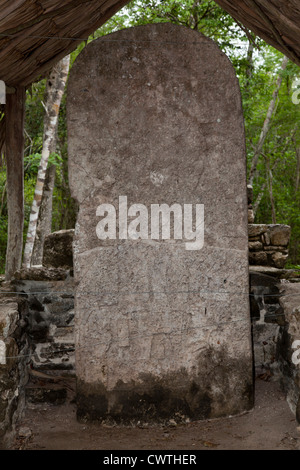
(40, 273)
(250, 216)
(290, 302)
(255, 246)
(271, 271)
(250, 194)
(268, 244)
(9, 317)
(159, 125)
(279, 259)
(279, 234)
(58, 250)
(256, 229)
(258, 258)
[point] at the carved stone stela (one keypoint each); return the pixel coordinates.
(162, 331)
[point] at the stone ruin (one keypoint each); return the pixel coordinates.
(161, 331)
(274, 306)
(37, 322)
(191, 344)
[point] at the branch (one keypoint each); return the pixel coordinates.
(267, 123)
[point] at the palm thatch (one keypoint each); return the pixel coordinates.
(275, 21)
(35, 34)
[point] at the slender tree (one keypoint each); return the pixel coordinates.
(267, 123)
(54, 91)
(44, 222)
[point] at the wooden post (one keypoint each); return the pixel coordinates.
(14, 145)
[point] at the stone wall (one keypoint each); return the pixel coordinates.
(14, 350)
(49, 295)
(268, 244)
(58, 250)
(267, 317)
(36, 336)
(289, 334)
(38, 327)
(275, 307)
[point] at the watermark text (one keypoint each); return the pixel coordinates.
(160, 222)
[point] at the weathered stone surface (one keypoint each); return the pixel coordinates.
(276, 234)
(250, 216)
(266, 238)
(271, 271)
(160, 329)
(250, 194)
(9, 317)
(262, 284)
(282, 249)
(256, 229)
(279, 259)
(268, 245)
(274, 259)
(13, 351)
(279, 234)
(40, 273)
(265, 346)
(58, 250)
(289, 365)
(50, 322)
(258, 257)
(255, 246)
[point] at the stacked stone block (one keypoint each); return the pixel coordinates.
(268, 244)
(50, 320)
(13, 356)
(288, 345)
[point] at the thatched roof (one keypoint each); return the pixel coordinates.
(275, 21)
(34, 34)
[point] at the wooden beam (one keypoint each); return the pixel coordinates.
(10, 90)
(14, 145)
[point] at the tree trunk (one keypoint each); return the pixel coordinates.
(270, 178)
(298, 169)
(267, 123)
(3, 197)
(54, 90)
(44, 222)
(262, 189)
(14, 151)
(249, 70)
(277, 161)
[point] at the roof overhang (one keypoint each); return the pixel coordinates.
(35, 34)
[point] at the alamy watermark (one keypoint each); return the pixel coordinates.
(160, 222)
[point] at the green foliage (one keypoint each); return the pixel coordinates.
(32, 162)
(277, 167)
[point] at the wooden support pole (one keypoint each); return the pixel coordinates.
(14, 145)
(10, 90)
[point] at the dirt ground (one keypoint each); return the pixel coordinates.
(269, 426)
